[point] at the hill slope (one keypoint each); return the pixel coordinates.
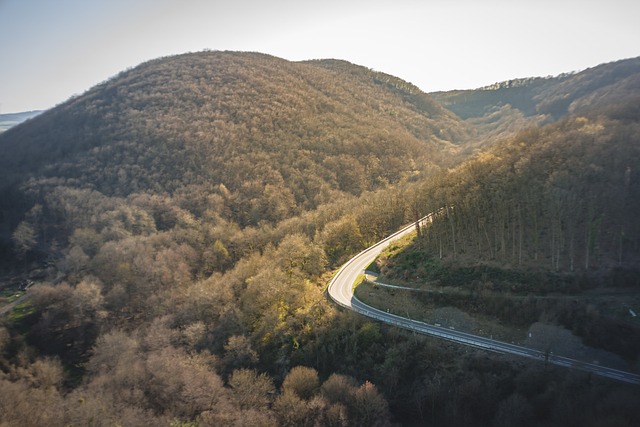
(504, 108)
(246, 121)
(562, 197)
(553, 97)
(541, 227)
(193, 206)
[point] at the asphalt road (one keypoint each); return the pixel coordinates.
(341, 291)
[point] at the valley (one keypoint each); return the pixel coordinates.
(181, 222)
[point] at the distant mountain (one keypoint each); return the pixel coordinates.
(12, 119)
(502, 109)
(518, 93)
(553, 97)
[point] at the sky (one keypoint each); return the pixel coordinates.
(51, 50)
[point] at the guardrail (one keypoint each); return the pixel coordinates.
(463, 337)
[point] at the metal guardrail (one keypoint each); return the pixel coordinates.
(462, 337)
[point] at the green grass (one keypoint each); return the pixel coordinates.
(359, 280)
(406, 261)
(423, 306)
(373, 267)
(11, 295)
(20, 314)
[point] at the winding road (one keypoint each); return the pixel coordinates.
(341, 291)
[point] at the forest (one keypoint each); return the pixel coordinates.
(176, 226)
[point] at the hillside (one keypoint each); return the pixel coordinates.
(554, 97)
(563, 196)
(187, 211)
(561, 149)
(502, 109)
(247, 122)
(175, 228)
(539, 231)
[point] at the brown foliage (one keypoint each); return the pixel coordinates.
(199, 199)
(301, 381)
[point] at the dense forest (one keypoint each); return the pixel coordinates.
(554, 97)
(540, 228)
(561, 197)
(177, 225)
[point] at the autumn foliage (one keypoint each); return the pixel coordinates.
(181, 221)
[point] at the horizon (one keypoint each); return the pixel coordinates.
(431, 44)
(2, 113)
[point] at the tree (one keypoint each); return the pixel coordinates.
(250, 390)
(217, 257)
(76, 260)
(182, 385)
(301, 381)
(339, 389)
(24, 238)
(87, 239)
(46, 373)
(291, 410)
(297, 255)
(341, 238)
(515, 410)
(370, 407)
(238, 353)
(21, 404)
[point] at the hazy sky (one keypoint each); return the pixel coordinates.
(53, 49)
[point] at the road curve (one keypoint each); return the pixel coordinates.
(341, 291)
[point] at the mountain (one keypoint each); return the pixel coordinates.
(9, 120)
(540, 227)
(553, 97)
(568, 155)
(504, 108)
(563, 197)
(176, 227)
(187, 211)
(249, 123)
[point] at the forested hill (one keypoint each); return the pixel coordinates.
(552, 97)
(253, 123)
(181, 219)
(549, 213)
(564, 197)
